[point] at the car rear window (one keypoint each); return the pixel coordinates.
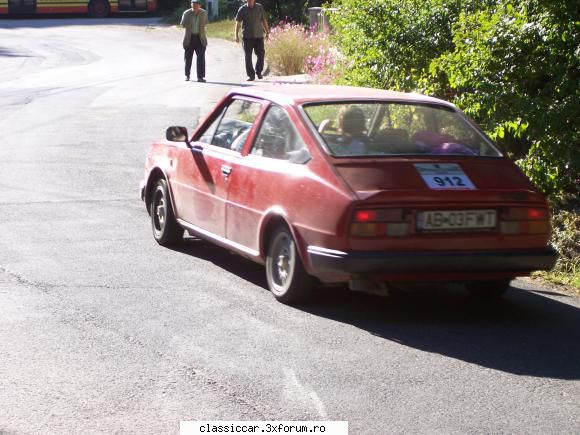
(395, 128)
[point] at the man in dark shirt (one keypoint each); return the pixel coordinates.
(252, 18)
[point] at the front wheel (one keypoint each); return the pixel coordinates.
(488, 290)
(166, 230)
(287, 278)
(99, 8)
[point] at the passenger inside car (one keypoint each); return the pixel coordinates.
(440, 143)
(352, 126)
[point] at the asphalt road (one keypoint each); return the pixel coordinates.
(104, 331)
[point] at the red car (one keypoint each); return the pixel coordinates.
(330, 184)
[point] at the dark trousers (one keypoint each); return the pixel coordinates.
(196, 46)
(254, 45)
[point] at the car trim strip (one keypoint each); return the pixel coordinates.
(220, 240)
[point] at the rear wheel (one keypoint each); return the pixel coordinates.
(287, 278)
(166, 230)
(488, 290)
(99, 8)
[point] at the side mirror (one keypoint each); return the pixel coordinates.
(177, 134)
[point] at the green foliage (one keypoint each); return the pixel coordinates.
(276, 10)
(283, 10)
(173, 13)
(390, 43)
(173, 9)
(515, 69)
(167, 7)
(566, 236)
(512, 65)
(566, 240)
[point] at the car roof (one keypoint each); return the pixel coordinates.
(304, 93)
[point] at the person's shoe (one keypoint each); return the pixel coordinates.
(260, 76)
(186, 78)
(250, 79)
(201, 80)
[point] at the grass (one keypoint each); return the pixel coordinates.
(568, 283)
(223, 29)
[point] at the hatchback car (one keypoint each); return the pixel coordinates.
(366, 187)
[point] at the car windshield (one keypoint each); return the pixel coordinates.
(395, 128)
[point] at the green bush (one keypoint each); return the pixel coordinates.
(515, 69)
(173, 15)
(390, 43)
(512, 65)
(566, 240)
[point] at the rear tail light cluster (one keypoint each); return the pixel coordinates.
(524, 220)
(390, 222)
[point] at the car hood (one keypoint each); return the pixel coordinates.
(493, 179)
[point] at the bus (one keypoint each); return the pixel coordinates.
(93, 8)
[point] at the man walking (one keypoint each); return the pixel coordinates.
(252, 17)
(194, 21)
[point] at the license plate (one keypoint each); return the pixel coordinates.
(444, 176)
(441, 220)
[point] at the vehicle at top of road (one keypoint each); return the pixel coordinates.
(330, 184)
(94, 8)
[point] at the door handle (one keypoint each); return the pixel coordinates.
(226, 170)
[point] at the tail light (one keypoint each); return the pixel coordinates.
(524, 220)
(389, 222)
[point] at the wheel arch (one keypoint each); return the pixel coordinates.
(271, 221)
(155, 175)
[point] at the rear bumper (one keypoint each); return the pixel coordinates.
(388, 262)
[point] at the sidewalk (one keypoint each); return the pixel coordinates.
(294, 79)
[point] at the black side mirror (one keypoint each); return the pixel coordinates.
(177, 134)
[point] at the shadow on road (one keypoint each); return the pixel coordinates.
(233, 263)
(526, 333)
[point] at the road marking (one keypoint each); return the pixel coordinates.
(294, 390)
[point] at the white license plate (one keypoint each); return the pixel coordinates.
(444, 176)
(456, 220)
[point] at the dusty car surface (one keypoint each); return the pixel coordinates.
(329, 184)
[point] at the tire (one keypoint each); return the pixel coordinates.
(488, 290)
(166, 230)
(99, 9)
(287, 278)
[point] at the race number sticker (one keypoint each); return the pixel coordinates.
(444, 176)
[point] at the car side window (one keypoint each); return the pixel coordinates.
(207, 136)
(278, 139)
(233, 128)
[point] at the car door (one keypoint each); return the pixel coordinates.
(271, 176)
(203, 171)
